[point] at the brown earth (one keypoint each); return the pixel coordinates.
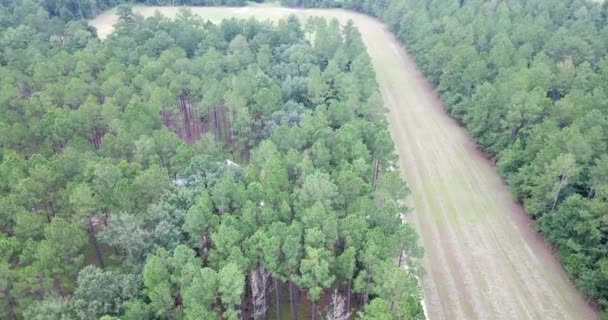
(483, 258)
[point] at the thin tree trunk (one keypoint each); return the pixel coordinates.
(375, 172)
(278, 298)
(291, 300)
(11, 308)
(297, 303)
(10, 305)
(106, 213)
(93, 238)
(217, 126)
(591, 192)
(243, 300)
(205, 245)
(365, 293)
(348, 295)
(561, 186)
(80, 9)
(265, 303)
(259, 288)
(314, 310)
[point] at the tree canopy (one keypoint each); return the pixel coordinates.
(186, 170)
(527, 78)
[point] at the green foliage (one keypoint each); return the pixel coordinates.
(102, 292)
(315, 270)
(231, 287)
(523, 77)
(61, 250)
(377, 309)
(117, 200)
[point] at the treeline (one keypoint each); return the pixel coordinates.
(528, 79)
(84, 9)
(117, 199)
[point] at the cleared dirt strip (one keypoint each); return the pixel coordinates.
(483, 259)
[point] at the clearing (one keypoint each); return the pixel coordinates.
(483, 258)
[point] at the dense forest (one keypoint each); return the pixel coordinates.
(185, 170)
(114, 171)
(528, 79)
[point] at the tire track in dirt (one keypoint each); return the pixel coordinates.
(474, 239)
(488, 263)
(524, 270)
(483, 238)
(459, 266)
(483, 259)
(466, 243)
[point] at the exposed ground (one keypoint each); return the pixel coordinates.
(483, 258)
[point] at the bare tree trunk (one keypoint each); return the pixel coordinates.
(218, 130)
(559, 190)
(291, 300)
(259, 283)
(265, 295)
(365, 292)
(297, 303)
(278, 298)
(204, 246)
(80, 9)
(10, 301)
(401, 256)
(93, 239)
(591, 192)
(337, 309)
(106, 214)
(348, 294)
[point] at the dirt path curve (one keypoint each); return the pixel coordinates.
(483, 259)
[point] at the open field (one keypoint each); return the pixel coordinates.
(483, 259)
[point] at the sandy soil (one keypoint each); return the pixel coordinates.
(483, 259)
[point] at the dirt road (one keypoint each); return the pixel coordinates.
(483, 259)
